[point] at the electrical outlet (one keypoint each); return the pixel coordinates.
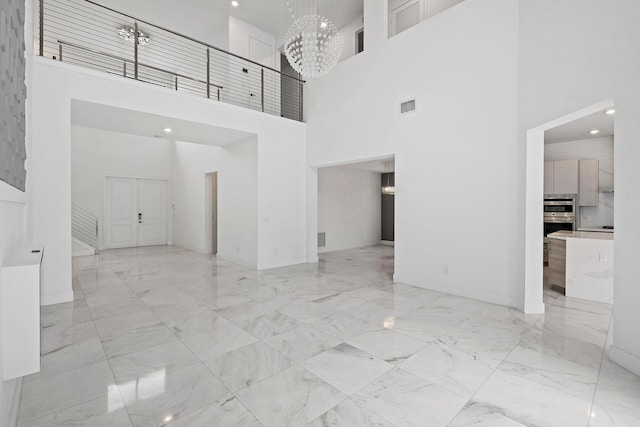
(603, 257)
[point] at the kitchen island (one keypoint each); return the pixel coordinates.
(581, 262)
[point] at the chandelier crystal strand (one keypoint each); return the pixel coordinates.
(311, 44)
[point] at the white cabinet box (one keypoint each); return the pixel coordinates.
(561, 177)
(21, 312)
(588, 195)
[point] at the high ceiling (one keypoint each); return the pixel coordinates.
(579, 129)
(271, 15)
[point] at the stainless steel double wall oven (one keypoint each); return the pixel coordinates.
(559, 212)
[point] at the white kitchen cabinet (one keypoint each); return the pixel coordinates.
(588, 195)
(561, 177)
(548, 177)
(605, 177)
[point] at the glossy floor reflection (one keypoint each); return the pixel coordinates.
(165, 336)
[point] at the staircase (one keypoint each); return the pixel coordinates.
(84, 232)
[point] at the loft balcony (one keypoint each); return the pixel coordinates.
(90, 35)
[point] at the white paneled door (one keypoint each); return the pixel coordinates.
(135, 212)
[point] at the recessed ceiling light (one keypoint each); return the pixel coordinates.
(168, 130)
(234, 3)
(610, 111)
(594, 131)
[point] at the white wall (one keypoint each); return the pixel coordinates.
(12, 234)
(281, 154)
(200, 19)
(593, 148)
(15, 228)
(236, 165)
(456, 151)
(239, 34)
(578, 60)
(96, 154)
(627, 156)
(241, 38)
(349, 208)
(347, 36)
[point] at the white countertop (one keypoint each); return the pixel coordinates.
(564, 235)
(598, 230)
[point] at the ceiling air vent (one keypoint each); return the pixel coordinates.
(408, 106)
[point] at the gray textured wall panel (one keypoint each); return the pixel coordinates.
(13, 93)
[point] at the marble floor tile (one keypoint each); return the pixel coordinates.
(490, 352)
(559, 374)
(167, 394)
(531, 403)
(72, 356)
(617, 395)
(268, 325)
(244, 311)
(305, 312)
(247, 365)
(345, 325)
(50, 394)
(173, 354)
(565, 346)
(338, 302)
(208, 334)
(227, 412)
(347, 368)
(496, 329)
(291, 398)
(165, 336)
(427, 323)
(105, 411)
(110, 306)
(387, 345)
(56, 336)
(121, 324)
(349, 414)
(479, 415)
(136, 339)
(66, 314)
(450, 368)
(407, 400)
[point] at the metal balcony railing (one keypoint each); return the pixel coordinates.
(85, 33)
(84, 226)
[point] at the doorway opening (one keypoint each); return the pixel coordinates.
(211, 210)
(540, 181)
(356, 203)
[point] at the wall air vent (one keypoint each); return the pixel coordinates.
(408, 106)
(322, 239)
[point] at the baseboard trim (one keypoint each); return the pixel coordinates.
(15, 402)
(625, 359)
(534, 308)
(56, 298)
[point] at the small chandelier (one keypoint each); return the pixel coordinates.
(128, 34)
(311, 45)
(389, 189)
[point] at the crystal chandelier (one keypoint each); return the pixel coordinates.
(311, 44)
